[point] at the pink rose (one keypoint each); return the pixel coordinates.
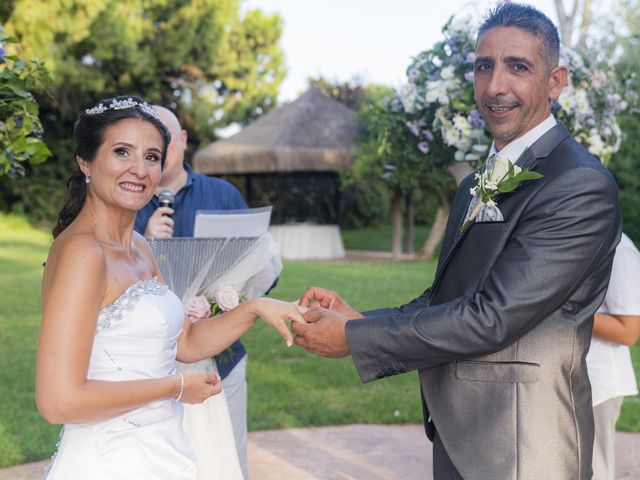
(227, 298)
(198, 308)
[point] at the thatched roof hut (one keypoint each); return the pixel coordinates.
(312, 134)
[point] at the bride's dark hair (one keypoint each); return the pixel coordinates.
(88, 135)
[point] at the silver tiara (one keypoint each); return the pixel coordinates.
(121, 105)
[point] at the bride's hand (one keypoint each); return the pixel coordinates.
(277, 313)
(198, 386)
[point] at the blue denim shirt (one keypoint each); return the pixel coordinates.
(200, 193)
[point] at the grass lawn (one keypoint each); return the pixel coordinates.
(379, 238)
(287, 387)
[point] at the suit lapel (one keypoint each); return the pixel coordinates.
(529, 159)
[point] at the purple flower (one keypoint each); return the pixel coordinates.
(414, 73)
(468, 76)
(414, 128)
(428, 135)
(18, 120)
(423, 147)
(2, 52)
(471, 57)
(591, 122)
(475, 119)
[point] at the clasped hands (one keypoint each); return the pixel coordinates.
(326, 314)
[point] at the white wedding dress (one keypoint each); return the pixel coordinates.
(136, 339)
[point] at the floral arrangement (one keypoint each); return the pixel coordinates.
(438, 98)
(224, 299)
(439, 106)
(589, 105)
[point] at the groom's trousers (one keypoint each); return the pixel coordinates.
(443, 468)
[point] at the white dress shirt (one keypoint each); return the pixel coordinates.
(608, 363)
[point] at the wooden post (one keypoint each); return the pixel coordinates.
(396, 239)
(410, 216)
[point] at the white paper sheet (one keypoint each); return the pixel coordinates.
(249, 222)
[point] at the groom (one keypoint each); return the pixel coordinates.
(501, 336)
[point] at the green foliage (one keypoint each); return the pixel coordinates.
(20, 127)
(198, 57)
(625, 166)
(251, 66)
(387, 157)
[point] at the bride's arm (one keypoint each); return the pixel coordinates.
(73, 288)
(211, 336)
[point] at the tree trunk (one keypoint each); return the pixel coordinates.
(436, 233)
(584, 25)
(396, 239)
(410, 215)
(566, 21)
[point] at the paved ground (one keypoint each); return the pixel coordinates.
(352, 452)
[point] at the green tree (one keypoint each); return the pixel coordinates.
(199, 57)
(20, 127)
(386, 152)
(625, 164)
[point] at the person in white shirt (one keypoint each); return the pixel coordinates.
(616, 327)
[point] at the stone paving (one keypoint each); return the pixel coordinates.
(352, 452)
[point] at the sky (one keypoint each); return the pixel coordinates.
(370, 39)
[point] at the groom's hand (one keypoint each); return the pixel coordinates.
(328, 299)
(324, 335)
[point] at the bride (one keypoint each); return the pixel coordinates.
(111, 330)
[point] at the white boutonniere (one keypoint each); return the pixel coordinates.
(503, 177)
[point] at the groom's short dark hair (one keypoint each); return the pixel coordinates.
(530, 19)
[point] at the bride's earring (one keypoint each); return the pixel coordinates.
(87, 179)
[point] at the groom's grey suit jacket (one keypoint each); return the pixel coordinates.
(501, 336)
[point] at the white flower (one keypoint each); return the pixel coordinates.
(490, 185)
(596, 145)
(437, 92)
(460, 23)
(447, 73)
(566, 100)
(499, 171)
(461, 123)
(450, 135)
(473, 191)
(408, 96)
(582, 103)
(226, 298)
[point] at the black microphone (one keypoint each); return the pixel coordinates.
(166, 199)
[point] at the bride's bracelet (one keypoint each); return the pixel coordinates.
(181, 386)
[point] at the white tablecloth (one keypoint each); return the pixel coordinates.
(304, 241)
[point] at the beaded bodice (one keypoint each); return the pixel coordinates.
(124, 304)
(136, 334)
